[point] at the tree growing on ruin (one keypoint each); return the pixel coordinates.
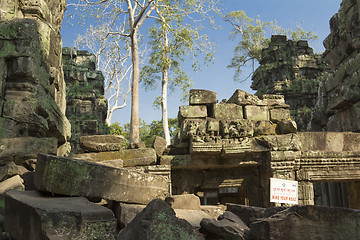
(113, 60)
(174, 36)
(254, 36)
(125, 18)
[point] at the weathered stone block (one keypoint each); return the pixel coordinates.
(186, 201)
(344, 95)
(351, 142)
(279, 114)
(256, 113)
(308, 222)
(10, 170)
(264, 128)
(47, 217)
(213, 210)
(174, 160)
(237, 129)
(192, 127)
(197, 111)
(125, 213)
(213, 126)
(275, 100)
(130, 157)
(79, 178)
(20, 146)
(228, 111)
(193, 217)
(248, 214)
(228, 226)
(329, 141)
(286, 126)
(158, 221)
(14, 182)
(159, 145)
(102, 143)
(243, 98)
(286, 142)
(113, 163)
(202, 97)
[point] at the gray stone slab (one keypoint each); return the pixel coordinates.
(29, 215)
(130, 157)
(229, 111)
(200, 96)
(186, 201)
(308, 222)
(158, 221)
(20, 146)
(80, 178)
(102, 143)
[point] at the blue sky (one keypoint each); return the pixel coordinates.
(312, 15)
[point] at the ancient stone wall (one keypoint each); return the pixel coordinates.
(243, 116)
(290, 68)
(338, 106)
(228, 152)
(32, 87)
(232, 141)
(86, 105)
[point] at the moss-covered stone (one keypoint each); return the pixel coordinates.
(158, 221)
(291, 69)
(86, 105)
(56, 217)
(80, 178)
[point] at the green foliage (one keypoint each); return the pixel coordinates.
(309, 86)
(255, 36)
(175, 36)
(148, 132)
(117, 129)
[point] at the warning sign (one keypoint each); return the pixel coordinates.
(283, 191)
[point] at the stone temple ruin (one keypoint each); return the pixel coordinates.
(214, 179)
(86, 105)
(231, 149)
(290, 68)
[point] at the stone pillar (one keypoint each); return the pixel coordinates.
(354, 194)
(306, 193)
(32, 100)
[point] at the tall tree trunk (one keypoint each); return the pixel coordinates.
(164, 106)
(164, 86)
(134, 121)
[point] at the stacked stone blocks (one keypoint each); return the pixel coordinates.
(86, 105)
(290, 68)
(242, 116)
(339, 100)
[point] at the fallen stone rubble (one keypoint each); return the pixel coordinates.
(41, 215)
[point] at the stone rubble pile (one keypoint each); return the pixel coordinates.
(60, 193)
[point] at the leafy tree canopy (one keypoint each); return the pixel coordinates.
(255, 35)
(148, 132)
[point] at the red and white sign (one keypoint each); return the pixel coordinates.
(283, 191)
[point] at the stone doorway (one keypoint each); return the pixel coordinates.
(334, 194)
